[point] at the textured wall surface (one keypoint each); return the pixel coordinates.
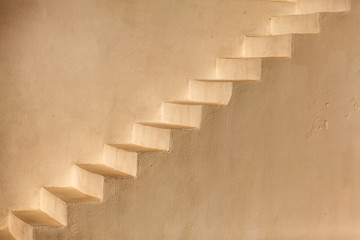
(75, 74)
(280, 162)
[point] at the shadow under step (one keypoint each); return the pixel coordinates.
(71, 195)
(104, 170)
(23, 223)
(165, 125)
(146, 139)
(36, 218)
(6, 235)
(175, 116)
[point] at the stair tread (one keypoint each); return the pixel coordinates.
(137, 148)
(6, 235)
(165, 125)
(193, 102)
(36, 218)
(103, 170)
(227, 80)
(71, 195)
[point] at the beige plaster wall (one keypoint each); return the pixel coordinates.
(75, 74)
(280, 162)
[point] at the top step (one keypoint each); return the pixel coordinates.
(315, 6)
(295, 24)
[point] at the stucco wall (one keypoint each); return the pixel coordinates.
(75, 74)
(280, 162)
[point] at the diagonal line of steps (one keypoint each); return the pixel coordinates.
(120, 160)
(88, 187)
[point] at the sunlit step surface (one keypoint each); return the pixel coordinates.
(267, 46)
(36, 218)
(103, 170)
(146, 139)
(295, 24)
(88, 182)
(207, 93)
(315, 6)
(23, 223)
(173, 116)
(54, 201)
(71, 195)
(238, 69)
(120, 160)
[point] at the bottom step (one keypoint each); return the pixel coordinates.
(6, 235)
(23, 223)
(36, 218)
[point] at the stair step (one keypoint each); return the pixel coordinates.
(207, 93)
(6, 235)
(120, 160)
(267, 46)
(295, 24)
(159, 124)
(315, 6)
(174, 116)
(54, 201)
(103, 170)
(238, 69)
(88, 182)
(71, 195)
(147, 139)
(37, 218)
(22, 223)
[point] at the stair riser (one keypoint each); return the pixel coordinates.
(19, 229)
(53, 206)
(88, 183)
(314, 6)
(238, 69)
(264, 47)
(180, 114)
(120, 160)
(216, 93)
(151, 137)
(302, 24)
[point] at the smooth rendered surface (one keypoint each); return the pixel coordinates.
(278, 163)
(238, 69)
(216, 93)
(267, 46)
(120, 160)
(313, 6)
(90, 183)
(77, 74)
(295, 24)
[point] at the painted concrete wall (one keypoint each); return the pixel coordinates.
(75, 74)
(280, 162)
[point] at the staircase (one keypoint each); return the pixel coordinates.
(89, 185)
